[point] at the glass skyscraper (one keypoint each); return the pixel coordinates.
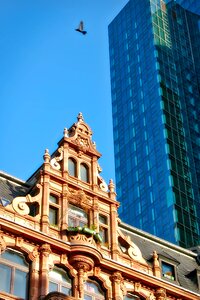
(154, 50)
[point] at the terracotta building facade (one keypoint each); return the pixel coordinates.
(61, 238)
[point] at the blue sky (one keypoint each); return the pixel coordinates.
(49, 73)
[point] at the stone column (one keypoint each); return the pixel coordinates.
(117, 286)
(82, 265)
(34, 274)
(95, 220)
(113, 231)
(65, 159)
(64, 212)
(45, 251)
(45, 196)
(94, 172)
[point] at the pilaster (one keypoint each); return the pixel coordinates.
(45, 251)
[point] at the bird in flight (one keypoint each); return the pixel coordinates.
(80, 28)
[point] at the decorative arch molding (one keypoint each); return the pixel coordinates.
(58, 296)
(18, 243)
(141, 291)
(63, 263)
(96, 275)
(140, 294)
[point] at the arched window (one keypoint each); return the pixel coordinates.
(14, 272)
(59, 281)
(84, 173)
(93, 291)
(72, 167)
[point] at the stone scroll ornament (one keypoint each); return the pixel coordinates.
(102, 184)
(21, 204)
(55, 161)
(132, 250)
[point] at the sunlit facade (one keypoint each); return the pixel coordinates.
(61, 238)
(155, 82)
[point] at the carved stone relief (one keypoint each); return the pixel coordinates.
(21, 204)
(55, 161)
(132, 250)
(79, 197)
(2, 244)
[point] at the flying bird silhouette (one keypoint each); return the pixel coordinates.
(80, 28)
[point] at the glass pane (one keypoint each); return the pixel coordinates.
(104, 234)
(5, 272)
(103, 219)
(93, 287)
(76, 211)
(53, 216)
(65, 290)
(20, 284)
(53, 199)
(14, 257)
(72, 222)
(87, 297)
(71, 167)
(53, 287)
(59, 275)
(84, 173)
(168, 271)
(76, 216)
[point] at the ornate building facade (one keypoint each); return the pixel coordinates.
(61, 238)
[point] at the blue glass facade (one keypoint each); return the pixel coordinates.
(155, 82)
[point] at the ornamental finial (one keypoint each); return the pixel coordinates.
(80, 117)
(65, 132)
(46, 156)
(111, 186)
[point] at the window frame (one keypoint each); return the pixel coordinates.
(87, 169)
(60, 283)
(75, 166)
(14, 266)
(54, 206)
(75, 219)
(104, 228)
(172, 264)
(92, 294)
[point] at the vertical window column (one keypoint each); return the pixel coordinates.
(103, 229)
(53, 210)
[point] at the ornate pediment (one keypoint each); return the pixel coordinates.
(80, 135)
